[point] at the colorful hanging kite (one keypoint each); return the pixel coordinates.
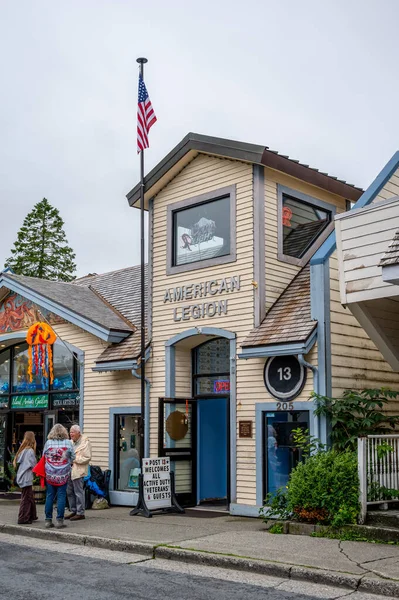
(40, 338)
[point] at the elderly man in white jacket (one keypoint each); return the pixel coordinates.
(80, 468)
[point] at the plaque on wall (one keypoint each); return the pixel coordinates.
(245, 429)
(284, 377)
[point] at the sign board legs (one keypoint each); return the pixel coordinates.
(141, 507)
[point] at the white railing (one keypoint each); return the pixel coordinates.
(378, 465)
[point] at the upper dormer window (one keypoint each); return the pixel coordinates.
(201, 231)
(304, 223)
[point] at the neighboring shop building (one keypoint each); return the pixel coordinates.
(245, 317)
(95, 367)
(368, 255)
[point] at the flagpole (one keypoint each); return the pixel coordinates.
(142, 62)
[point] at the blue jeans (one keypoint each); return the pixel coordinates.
(51, 493)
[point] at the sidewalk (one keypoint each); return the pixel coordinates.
(222, 540)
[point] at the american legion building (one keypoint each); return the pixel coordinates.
(244, 323)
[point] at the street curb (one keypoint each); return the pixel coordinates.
(376, 585)
(222, 560)
(370, 584)
(142, 548)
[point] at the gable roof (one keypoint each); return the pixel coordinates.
(194, 143)
(77, 304)
(121, 289)
(289, 319)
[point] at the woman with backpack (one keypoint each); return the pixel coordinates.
(25, 459)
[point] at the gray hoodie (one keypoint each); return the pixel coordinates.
(26, 461)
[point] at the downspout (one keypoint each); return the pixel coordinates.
(146, 409)
(315, 371)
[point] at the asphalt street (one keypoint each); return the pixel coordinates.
(40, 570)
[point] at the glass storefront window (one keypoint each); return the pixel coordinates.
(21, 381)
(280, 452)
(63, 361)
(128, 460)
(201, 232)
(4, 372)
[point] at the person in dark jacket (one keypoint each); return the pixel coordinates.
(25, 459)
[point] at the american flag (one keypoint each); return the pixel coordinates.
(145, 116)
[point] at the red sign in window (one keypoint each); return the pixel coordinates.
(221, 386)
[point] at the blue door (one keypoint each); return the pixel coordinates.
(212, 449)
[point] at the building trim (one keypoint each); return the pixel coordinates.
(325, 251)
(108, 335)
(260, 408)
(196, 143)
(259, 244)
(114, 365)
(244, 510)
(119, 497)
(280, 349)
(172, 269)
(170, 386)
(215, 331)
(321, 311)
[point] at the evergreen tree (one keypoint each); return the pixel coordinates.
(41, 249)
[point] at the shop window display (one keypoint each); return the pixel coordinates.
(201, 232)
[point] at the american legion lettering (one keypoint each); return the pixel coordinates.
(192, 291)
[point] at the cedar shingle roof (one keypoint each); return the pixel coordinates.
(289, 319)
(121, 289)
(391, 256)
(128, 349)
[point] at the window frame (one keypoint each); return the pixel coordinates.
(282, 190)
(229, 191)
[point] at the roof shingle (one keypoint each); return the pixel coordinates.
(289, 319)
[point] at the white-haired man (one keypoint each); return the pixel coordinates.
(80, 468)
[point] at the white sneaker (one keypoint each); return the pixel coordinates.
(49, 523)
(59, 524)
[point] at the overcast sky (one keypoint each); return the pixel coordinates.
(317, 80)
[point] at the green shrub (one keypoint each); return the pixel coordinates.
(325, 489)
(357, 414)
(276, 506)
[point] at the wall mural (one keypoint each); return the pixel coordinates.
(16, 312)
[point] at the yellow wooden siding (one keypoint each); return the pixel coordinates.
(279, 273)
(356, 361)
(363, 237)
(205, 174)
(101, 390)
(390, 189)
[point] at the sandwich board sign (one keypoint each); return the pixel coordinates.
(156, 488)
(156, 483)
